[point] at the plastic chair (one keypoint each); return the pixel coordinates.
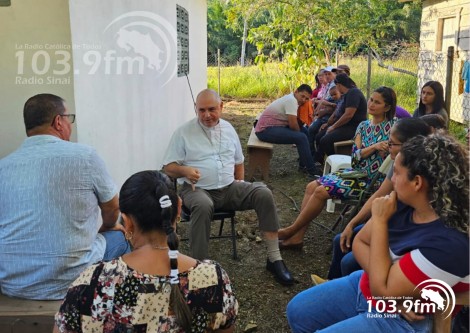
(335, 163)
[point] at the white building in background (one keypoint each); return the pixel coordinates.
(446, 23)
(121, 65)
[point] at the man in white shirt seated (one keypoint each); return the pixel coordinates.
(206, 156)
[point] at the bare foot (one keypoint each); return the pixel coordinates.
(288, 245)
(292, 241)
(284, 233)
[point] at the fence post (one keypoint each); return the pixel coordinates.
(218, 68)
(369, 71)
(449, 72)
(337, 56)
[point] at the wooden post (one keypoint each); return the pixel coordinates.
(449, 72)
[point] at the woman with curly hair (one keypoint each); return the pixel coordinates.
(417, 233)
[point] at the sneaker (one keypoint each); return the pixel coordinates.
(316, 280)
(312, 177)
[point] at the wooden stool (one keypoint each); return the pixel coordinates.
(259, 155)
(26, 316)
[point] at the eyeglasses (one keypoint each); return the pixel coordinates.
(70, 116)
(391, 144)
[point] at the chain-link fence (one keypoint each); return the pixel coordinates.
(447, 69)
(401, 66)
(224, 60)
(395, 66)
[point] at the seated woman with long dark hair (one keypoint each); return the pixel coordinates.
(431, 101)
(369, 150)
(154, 288)
(417, 233)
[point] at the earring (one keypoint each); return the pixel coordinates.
(129, 235)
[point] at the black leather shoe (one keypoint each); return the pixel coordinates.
(280, 272)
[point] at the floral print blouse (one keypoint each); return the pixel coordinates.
(112, 297)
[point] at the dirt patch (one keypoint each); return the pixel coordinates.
(262, 300)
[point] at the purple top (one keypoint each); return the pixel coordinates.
(401, 113)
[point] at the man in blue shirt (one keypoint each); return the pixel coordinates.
(58, 206)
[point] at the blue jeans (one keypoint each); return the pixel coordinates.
(116, 245)
(340, 306)
(343, 264)
(284, 135)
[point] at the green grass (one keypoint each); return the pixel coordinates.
(274, 80)
(248, 82)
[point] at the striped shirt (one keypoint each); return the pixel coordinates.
(49, 215)
(426, 251)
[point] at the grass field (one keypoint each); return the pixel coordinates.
(274, 80)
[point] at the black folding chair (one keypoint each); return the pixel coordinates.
(219, 215)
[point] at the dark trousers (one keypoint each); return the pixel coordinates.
(236, 196)
(313, 130)
(326, 141)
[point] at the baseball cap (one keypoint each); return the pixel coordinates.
(329, 69)
(344, 68)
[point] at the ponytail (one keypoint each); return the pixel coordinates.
(177, 301)
(150, 197)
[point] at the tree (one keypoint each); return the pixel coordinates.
(304, 33)
(224, 33)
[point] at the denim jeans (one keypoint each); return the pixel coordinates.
(340, 306)
(285, 135)
(116, 245)
(343, 264)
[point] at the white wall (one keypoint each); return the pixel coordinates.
(30, 30)
(129, 118)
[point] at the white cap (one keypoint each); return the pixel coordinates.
(329, 68)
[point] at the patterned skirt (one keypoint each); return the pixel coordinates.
(350, 188)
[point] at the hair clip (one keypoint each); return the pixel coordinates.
(174, 276)
(165, 201)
